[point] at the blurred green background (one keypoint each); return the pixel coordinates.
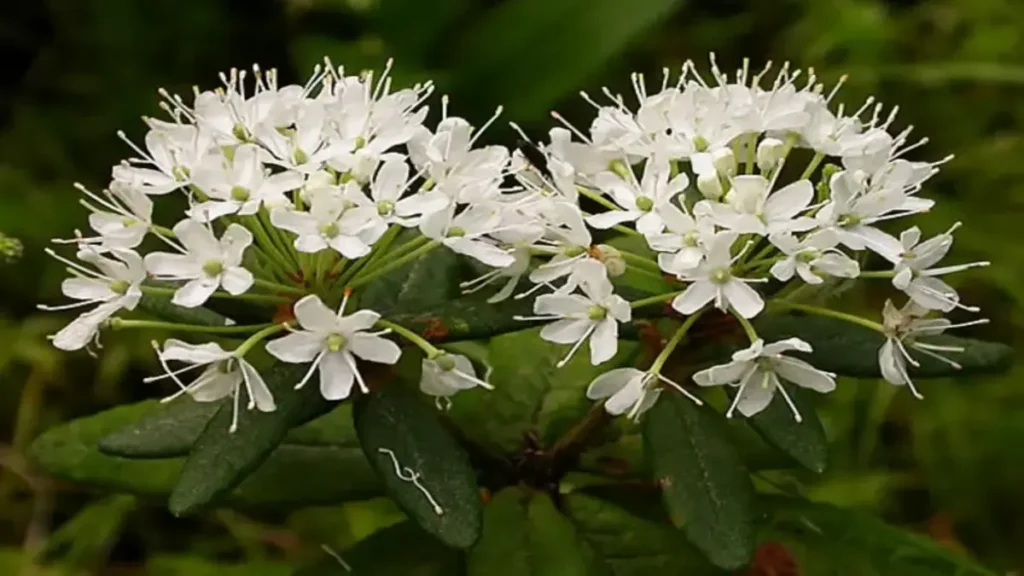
(78, 70)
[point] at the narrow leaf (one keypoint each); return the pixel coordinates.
(165, 431)
(220, 460)
(705, 486)
(400, 550)
(161, 307)
(428, 281)
(852, 350)
(503, 547)
(470, 317)
(803, 441)
(421, 465)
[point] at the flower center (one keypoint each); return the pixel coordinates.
(119, 286)
(701, 144)
(808, 256)
(330, 229)
(180, 173)
(721, 276)
(126, 222)
(385, 207)
(456, 232)
(335, 342)
(300, 156)
(597, 313)
(690, 239)
(360, 142)
(644, 203)
(226, 366)
(239, 131)
(619, 167)
(240, 193)
(213, 268)
(849, 221)
(445, 362)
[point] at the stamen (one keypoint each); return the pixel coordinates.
(309, 373)
(681, 390)
(409, 475)
(785, 395)
(561, 363)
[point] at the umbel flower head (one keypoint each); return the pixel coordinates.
(740, 194)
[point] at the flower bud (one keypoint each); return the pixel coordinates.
(769, 152)
(709, 185)
(724, 161)
(10, 248)
(612, 259)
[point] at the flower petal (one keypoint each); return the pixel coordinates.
(722, 374)
(296, 347)
(803, 374)
(607, 384)
(568, 331)
(336, 376)
(374, 348)
(195, 292)
(744, 299)
(314, 315)
(236, 280)
(604, 341)
(695, 297)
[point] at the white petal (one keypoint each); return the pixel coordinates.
(695, 297)
(350, 247)
(783, 270)
(311, 243)
(606, 220)
(236, 280)
(298, 222)
(360, 320)
(86, 289)
(567, 331)
(81, 330)
(607, 384)
(482, 251)
(722, 374)
(604, 341)
(744, 299)
(336, 376)
(561, 305)
(296, 347)
(195, 292)
(314, 315)
(374, 348)
(209, 211)
(234, 242)
(214, 384)
(172, 265)
(197, 239)
(207, 353)
(626, 397)
(758, 393)
(788, 202)
(803, 374)
(258, 390)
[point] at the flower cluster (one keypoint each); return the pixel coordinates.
(296, 195)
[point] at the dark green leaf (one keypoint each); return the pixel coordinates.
(852, 350)
(161, 307)
(293, 475)
(220, 460)
(165, 431)
(823, 537)
(523, 55)
(470, 317)
(631, 545)
(424, 283)
(555, 548)
(503, 548)
(400, 550)
(706, 488)
(530, 392)
(395, 424)
(804, 441)
(198, 566)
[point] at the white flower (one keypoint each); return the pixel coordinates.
(769, 154)
(332, 342)
(713, 280)
(512, 273)
(463, 174)
(916, 276)
(811, 258)
(629, 389)
(750, 209)
(595, 314)
(682, 243)
(902, 327)
(207, 263)
(330, 223)
(224, 375)
(391, 180)
(851, 213)
(233, 117)
(114, 286)
(240, 185)
(585, 159)
(641, 201)
(304, 148)
(756, 371)
(173, 150)
(122, 218)
(464, 233)
(447, 375)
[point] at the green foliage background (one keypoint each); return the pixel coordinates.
(78, 70)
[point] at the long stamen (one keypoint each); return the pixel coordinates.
(309, 373)
(576, 346)
(792, 406)
(682, 390)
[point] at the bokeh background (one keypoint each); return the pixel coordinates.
(75, 71)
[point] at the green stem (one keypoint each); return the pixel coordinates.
(122, 324)
(280, 287)
(640, 261)
(162, 230)
(597, 198)
(430, 349)
(877, 274)
(747, 327)
(646, 272)
(393, 265)
(268, 246)
(812, 166)
(654, 299)
(817, 311)
(670, 347)
(256, 338)
(160, 291)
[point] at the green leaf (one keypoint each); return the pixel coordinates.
(851, 350)
(377, 554)
(555, 548)
(632, 545)
(705, 486)
(823, 537)
(325, 474)
(503, 548)
(220, 460)
(394, 424)
(531, 395)
(470, 317)
(523, 55)
(428, 281)
(804, 441)
(161, 307)
(196, 566)
(165, 431)
(169, 431)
